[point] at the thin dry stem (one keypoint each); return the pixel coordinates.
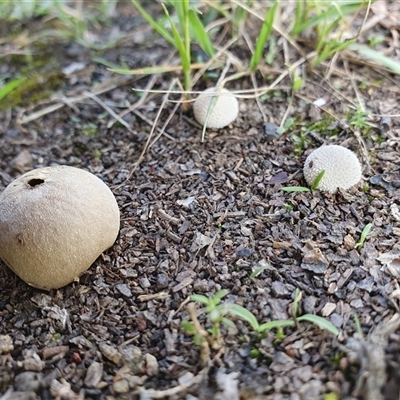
(162, 106)
(69, 101)
(108, 109)
(205, 344)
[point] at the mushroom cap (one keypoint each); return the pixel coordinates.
(224, 111)
(54, 223)
(341, 165)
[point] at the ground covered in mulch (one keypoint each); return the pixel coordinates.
(200, 216)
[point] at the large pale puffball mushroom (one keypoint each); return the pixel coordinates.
(341, 165)
(225, 108)
(54, 223)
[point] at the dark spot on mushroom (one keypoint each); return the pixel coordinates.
(310, 164)
(35, 182)
(20, 239)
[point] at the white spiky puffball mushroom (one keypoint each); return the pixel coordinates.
(54, 223)
(341, 165)
(225, 109)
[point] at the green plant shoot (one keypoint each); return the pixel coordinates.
(265, 32)
(10, 86)
(317, 180)
(364, 234)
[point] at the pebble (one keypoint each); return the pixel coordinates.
(121, 386)
(34, 364)
(60, 389)
(6, 344)
(162, 281)
(133, 358)
(304, 373)
(328, 309)
(144, 283)
(201, 285)
(28, 382)
(336, 320)
(111, 353)
(124, 289)
(93, 374)
(279, 289)
(151, 364)
(357, 303)
(270, 131)
(11, 395)
(309, 304)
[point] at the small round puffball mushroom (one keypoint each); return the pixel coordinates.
(224, 110)
(341, 165)
(54, 223)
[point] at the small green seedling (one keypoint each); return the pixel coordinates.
(317, 180)
(297, 81)
(285, 127)
(314, 186)
(359, 121)
(215, 314)
(218, 313)
(364, 235)
(9, 87)
(331, 396)
(288, 206)
(358, 325)
(258, 270)
(315, 319)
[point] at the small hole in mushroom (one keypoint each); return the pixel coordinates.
(35, 182)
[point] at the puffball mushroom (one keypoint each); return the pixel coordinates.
(54, 223)
(341, 165)
(224, 110)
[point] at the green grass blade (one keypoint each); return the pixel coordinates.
(376, 56)
(263, 37)
(200, 33)
(364, 234)
(321, 322)
(297, 295)
(200, 299)
(182, 49)
(358, 325)
(178, 7)
(332, 48)
(332, 12)
(295, 189)
(10, 86)
(279, 323)
(317, 180)
(228, 322)
(185, 27)
(257, 271)
(219, 295)
(300, 14)
(156, 26)
(188, 327)
(213, 101)
(142, 71)
(244, 314)
(181, 8)
(109, 64)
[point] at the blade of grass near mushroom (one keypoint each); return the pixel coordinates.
(328, 168)
(217, 110)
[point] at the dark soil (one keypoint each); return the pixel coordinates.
(197, 217)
